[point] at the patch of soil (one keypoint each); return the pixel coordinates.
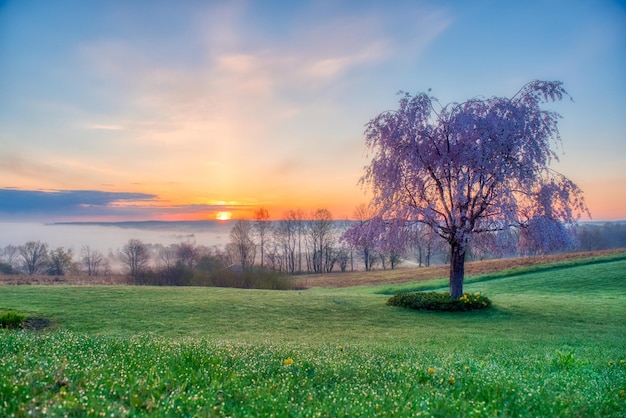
(404, 275)
(37, 323)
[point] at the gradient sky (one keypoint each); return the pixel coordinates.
(130, 110)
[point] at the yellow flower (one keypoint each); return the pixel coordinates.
(611, 362)
(340, 348)
(622, 361)
(288, 361)
(452, 380)
(432, 370)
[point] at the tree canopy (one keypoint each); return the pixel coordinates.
(473, 167)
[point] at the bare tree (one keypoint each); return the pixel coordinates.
(296, 218)
(242, 248)
(425, 242)
(10, 256)
(261, 227)
(321, 241)
(91, 260)
(187, 254)
(34, 256)
(274, 259)
(135, 257)
(590, 237)
(286, 238)
(167, 256)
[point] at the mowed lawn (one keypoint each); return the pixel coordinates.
(553, 345)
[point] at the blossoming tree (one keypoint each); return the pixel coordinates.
(473, 167)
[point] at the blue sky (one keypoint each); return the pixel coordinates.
(126, 110)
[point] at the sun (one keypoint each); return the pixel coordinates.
(223, 216)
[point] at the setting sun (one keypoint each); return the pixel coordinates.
(223, 216)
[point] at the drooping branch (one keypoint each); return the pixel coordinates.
(471, 167)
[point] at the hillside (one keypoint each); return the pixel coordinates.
(404, 275)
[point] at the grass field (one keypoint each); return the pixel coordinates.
(553, 345)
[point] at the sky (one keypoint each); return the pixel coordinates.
(160, 110)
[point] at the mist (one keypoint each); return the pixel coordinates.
(110, 237)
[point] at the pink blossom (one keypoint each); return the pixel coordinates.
(473, 167)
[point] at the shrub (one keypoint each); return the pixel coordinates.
(257, 278)
(442, 302)
(6, 269)
(11, 319)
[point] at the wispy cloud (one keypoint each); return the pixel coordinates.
(241, 97)
(105, 127)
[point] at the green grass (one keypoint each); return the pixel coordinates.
(441, 283)
(553, 345)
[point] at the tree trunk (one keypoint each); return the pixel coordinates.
(457, 270)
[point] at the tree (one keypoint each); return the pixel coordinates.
(287, 236)
(393, 242)
(135, 257)
(591, 238)
(242, 248)
(424, 242)
(495, 244)
(209, 263)
(261, 227)
(472, 167)
(320, 234)
(34, 255)
(59, 261)
(360, 235)
(544, 235)
(286, 239)
(10, 256)
(167, 256)
(92, 261)
(187, 254)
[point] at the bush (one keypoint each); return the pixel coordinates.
(11, 320)
(441, 302)
(257, 278)
(6, 269)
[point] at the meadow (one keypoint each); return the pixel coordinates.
(554, 344)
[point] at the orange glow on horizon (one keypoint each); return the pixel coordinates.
(223, 216)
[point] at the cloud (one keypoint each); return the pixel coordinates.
(72, 205)
(271, 91)
(254, 73)
(103, 127)
(19, 202)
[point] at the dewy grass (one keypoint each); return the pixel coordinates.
(65, 373)
(552, 345)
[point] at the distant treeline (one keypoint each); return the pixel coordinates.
(596, 236)
(262, 253)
